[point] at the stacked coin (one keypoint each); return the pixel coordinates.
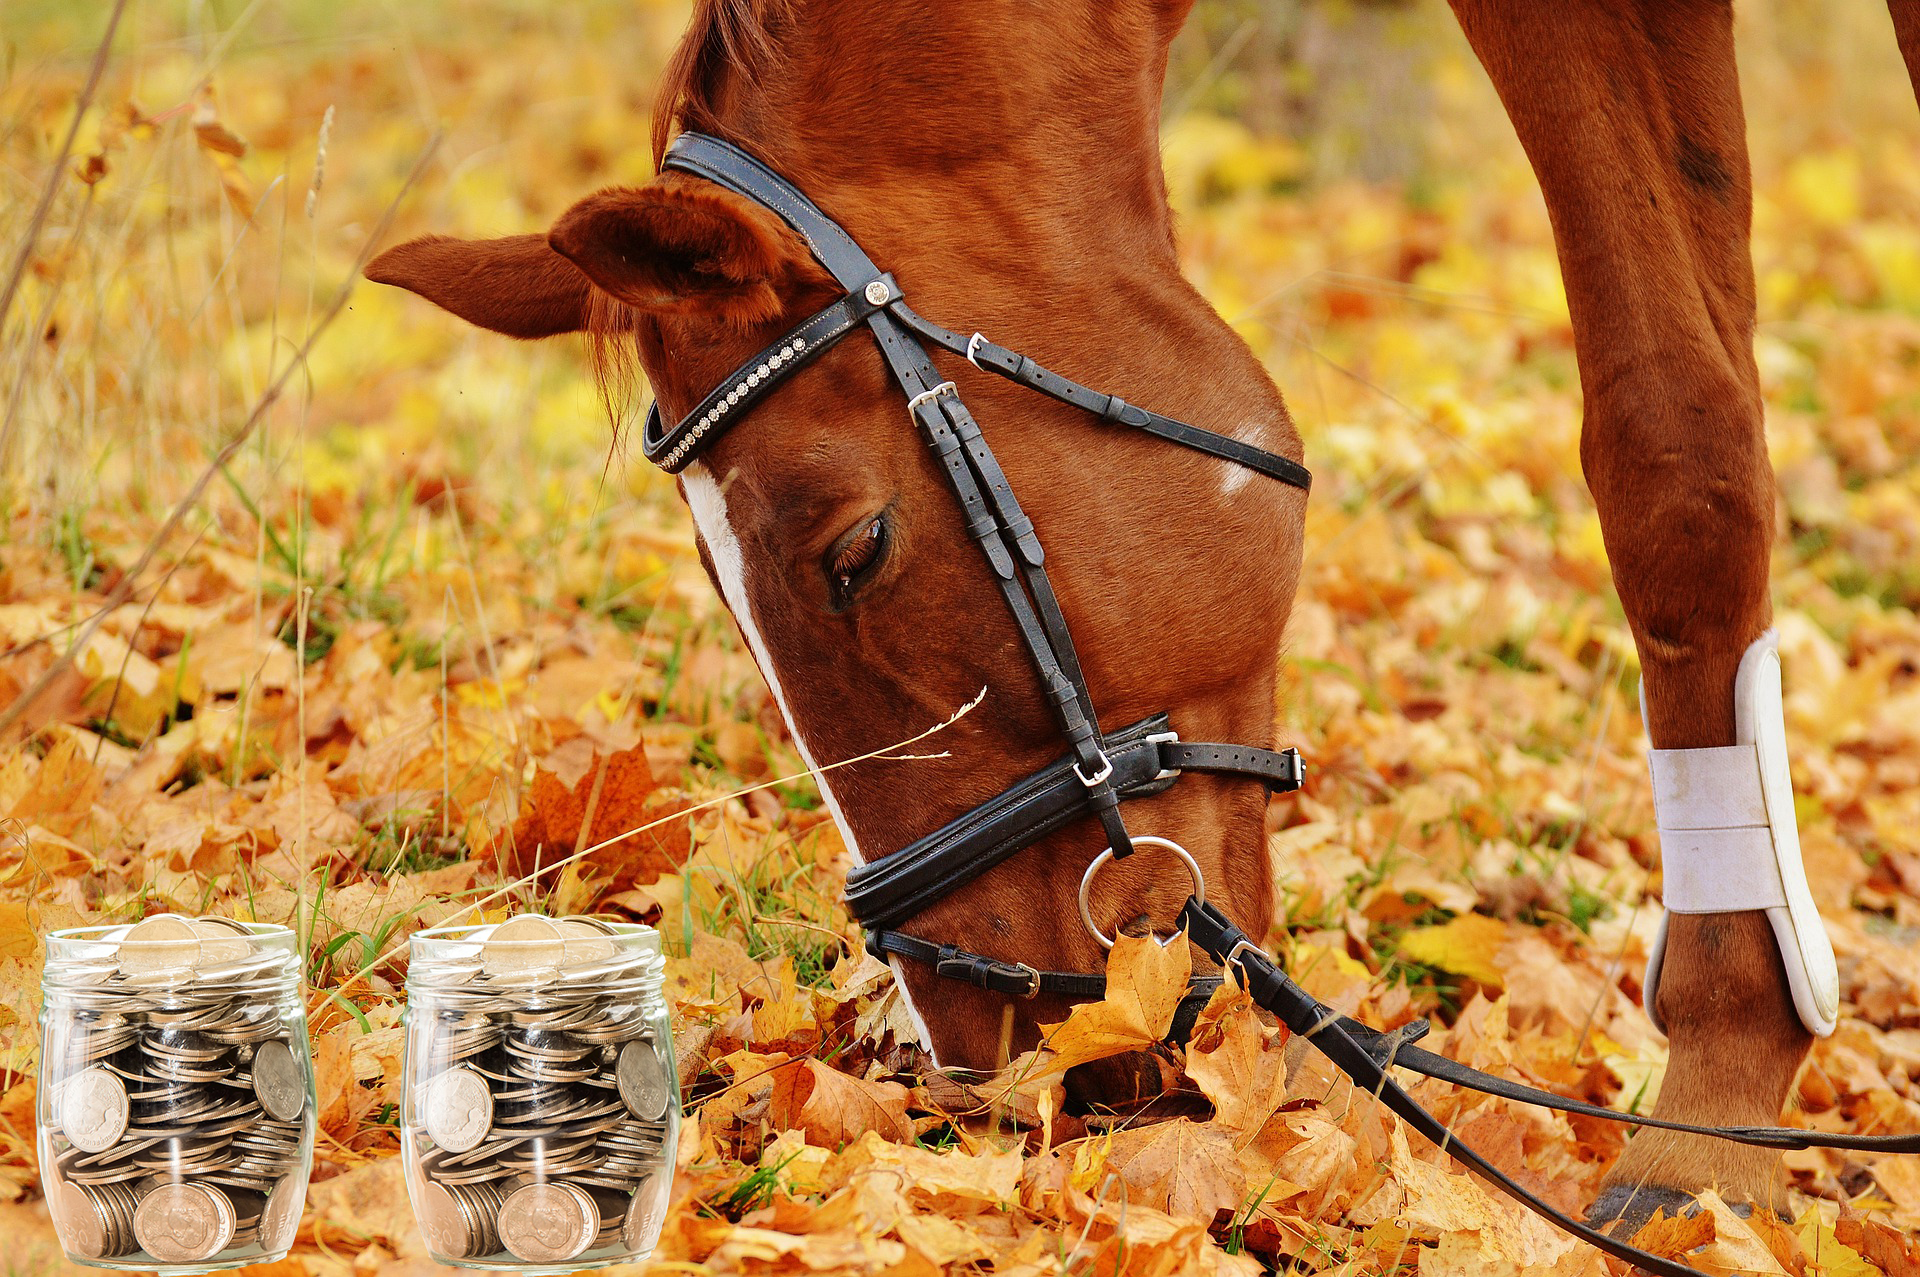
(541, 1088)
(175, 1126)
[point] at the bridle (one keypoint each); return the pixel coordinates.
(1101, 769)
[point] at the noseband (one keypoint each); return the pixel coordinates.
(1101, 770)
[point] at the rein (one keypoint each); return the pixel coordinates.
(1101, 770)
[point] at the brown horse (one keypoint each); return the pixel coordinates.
(1002, 162)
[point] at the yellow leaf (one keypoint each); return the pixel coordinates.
(1182, 1167)
(1464, 946)
(1145, 982)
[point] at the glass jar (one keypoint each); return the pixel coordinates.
(542, 1104)
(175, 1101)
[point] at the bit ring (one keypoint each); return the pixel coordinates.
(1100, 861)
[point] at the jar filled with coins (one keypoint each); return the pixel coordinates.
(541, 1102)
(175, 1098)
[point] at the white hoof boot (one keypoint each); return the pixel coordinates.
(1729, 841)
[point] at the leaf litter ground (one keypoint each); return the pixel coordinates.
(426, 639)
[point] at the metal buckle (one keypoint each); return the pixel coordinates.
(1165, 738)
(1234, 953)
(1099, 862)
(973, 346)
(928, 396)
(1033, 981)
(1106, 770)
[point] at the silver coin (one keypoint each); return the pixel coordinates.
(279, 1083)
(443, 1223)
(82, 1228)
(643, 1081)
(585, 941)
(184, 1223)
(221, 941)
(548, 1223)
(163, 943)
(459, 1110)
(280, 1220)
(641, 1230)
(522, 945)
(93, 1110)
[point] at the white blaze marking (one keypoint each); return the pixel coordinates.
(1238, 476)
(709, 506)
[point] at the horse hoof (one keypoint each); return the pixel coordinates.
(1624, 1209)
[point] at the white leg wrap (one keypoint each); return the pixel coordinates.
(1729, 841)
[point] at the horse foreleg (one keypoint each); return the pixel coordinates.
(1630, 113)
(1906, 29)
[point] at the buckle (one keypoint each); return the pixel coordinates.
(928, 396)
(1234, 953)
(1165, 738)
(1106, 770)
(1296, 769)
(973, 349)
(1033, 980)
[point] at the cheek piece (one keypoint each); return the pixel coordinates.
(1729, 842)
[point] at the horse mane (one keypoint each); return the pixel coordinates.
(721, 34)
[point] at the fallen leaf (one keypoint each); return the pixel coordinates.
(834, 1109)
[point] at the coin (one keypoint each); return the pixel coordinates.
(82, 1229)
(459, 1110)
(163, 943)
(221, 940)
(279, 1083)
(93, 1110)
(643, 1082)
(641, 1229)
(443, 1223)
(585, 940)
(184, 1223)
(522, 944)
(548, 1223)
(280, 1220)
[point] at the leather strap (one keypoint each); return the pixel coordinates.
(1022, 371)
(1017, 979)
(1331, 1034)
(1147, 757)
(675, 449)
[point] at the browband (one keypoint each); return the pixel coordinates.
(869, 290)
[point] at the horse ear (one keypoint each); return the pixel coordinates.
(679, 245)
(517, 286)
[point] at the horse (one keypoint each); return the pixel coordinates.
(1001, 161)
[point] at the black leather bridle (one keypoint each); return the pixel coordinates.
(1102, 769)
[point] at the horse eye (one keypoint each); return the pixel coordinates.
(855, 557)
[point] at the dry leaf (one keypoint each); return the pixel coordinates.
(1466, 946)
(1183, 1167)
(834, 1109)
